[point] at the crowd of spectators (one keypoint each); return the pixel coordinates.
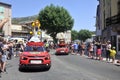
(94, 50)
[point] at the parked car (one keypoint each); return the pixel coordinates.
(35, 56)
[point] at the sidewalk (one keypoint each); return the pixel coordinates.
(104, 59)
(117, 58)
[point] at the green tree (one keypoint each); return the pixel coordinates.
(55, 19)
(74, 35)
(84, 34)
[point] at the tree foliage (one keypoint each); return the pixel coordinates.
(74, 35)
(84, 34)
(55, 19)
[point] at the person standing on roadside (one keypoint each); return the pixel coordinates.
(112, 54)
(75, 46)
(94, 49)
(99, 51)
(104, 44)
(1, 53)
(4, 55)
(90, 50)
(79, 48)
(82, 48)
(108, 47)
(10, 54)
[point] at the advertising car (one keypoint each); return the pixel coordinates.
(62, 48)
(35, 56)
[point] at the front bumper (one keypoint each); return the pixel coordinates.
(36, 66)
(34, 63)
(61, 52)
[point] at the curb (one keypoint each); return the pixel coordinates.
(104, 59)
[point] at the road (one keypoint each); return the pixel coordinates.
(65, 67)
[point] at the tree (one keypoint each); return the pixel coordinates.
(74, 35)
(84, 34)
(55, 19)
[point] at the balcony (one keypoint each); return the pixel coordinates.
(113, 20)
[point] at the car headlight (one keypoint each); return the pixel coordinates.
(23, 57)
(47, 58)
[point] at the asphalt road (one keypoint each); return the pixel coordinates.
(65, 67)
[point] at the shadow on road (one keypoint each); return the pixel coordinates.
(33, 70)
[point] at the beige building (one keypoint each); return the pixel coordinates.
(68, 36)
(108, 22)
(64, 35)
(20, 31)
(5, 12)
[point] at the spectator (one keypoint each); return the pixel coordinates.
(82, 48)
(99, 51)
(108, 47)
(10, 50)
(112, 54)
(75, 46)
(71, 48)
(79, 48)
(1, 53)
(90, 53)
(4, 56)
(94, 49)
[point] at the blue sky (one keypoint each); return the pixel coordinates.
(82, 11)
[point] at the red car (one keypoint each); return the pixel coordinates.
(34, 56)
(62, 49)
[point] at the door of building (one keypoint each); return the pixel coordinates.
(118, 44)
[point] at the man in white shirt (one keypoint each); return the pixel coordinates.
(108, 47)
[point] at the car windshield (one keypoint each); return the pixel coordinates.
(34, 48)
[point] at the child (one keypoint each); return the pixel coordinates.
(112, 54)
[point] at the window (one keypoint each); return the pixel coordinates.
(1, 17)
(119, 7)
(34, 48)
(1, 9)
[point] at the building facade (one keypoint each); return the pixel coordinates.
(108, 20)
(5, 12)
(20, 31)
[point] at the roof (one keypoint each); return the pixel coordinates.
(35, 43)
(34, 39)
(5, 4)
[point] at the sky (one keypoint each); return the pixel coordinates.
(82, 11)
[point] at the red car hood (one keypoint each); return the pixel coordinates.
(34, 53)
